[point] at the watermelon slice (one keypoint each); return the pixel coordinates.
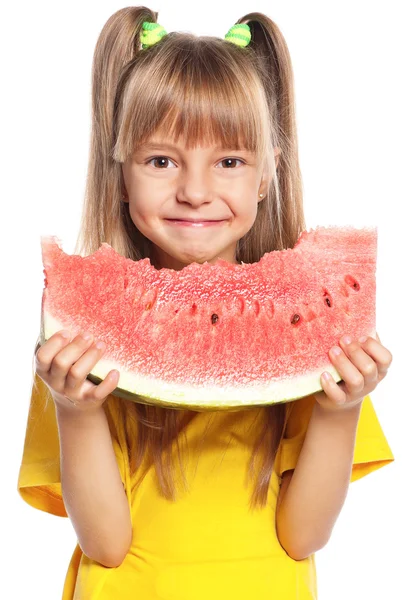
(217, 336)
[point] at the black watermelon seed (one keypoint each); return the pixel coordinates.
(295, 319)
(214, 318)
(328, 302)
(351, 281)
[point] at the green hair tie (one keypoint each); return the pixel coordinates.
(239, 34)
(151, 34)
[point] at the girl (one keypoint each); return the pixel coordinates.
(171, 504)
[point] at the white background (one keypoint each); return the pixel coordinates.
(347, 59)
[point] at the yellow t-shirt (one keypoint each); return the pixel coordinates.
(207, 543)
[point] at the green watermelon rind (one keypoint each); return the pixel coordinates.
(146, 390)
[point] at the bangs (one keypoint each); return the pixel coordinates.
(201, 89)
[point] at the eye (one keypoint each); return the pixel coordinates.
(160, 158)
(227, 160)
(164, 160)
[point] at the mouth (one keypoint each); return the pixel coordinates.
(194, 222)
(197, 220)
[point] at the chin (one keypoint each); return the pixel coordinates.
(198, 258)
(188, 254)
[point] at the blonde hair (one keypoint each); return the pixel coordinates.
(208, 90)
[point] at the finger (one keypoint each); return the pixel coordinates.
(96, 393)
(82, 367)
(352, 377)
(361, 360)
(64, 359)
(382, 357)
(46, 353)
(333, 391)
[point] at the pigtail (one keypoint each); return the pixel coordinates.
(280, 219)
(117, 45)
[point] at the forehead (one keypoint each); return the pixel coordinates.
(156, 142)
(184, 127)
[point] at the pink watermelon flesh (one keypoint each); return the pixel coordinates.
(217, 336)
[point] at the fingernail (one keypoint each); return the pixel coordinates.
(363, 339)
(65, 334)
(100, 345)
(336, 351)
(326, 376)
(346, 339)
(86, 336)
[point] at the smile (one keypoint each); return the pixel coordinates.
(183, 223)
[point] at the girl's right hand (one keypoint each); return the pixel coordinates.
(64, 366)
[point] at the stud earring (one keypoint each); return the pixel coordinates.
(261, 195)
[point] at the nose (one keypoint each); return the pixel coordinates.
(195, 187)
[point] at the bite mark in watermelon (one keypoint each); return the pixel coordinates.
(217, 336)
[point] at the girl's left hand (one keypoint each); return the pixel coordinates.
(361, 364)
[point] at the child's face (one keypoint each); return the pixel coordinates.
(200, 183)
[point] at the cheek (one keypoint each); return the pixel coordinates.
(141, 197)
(249, 214)
(137, 210)
(246, 208)
(143, 211)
